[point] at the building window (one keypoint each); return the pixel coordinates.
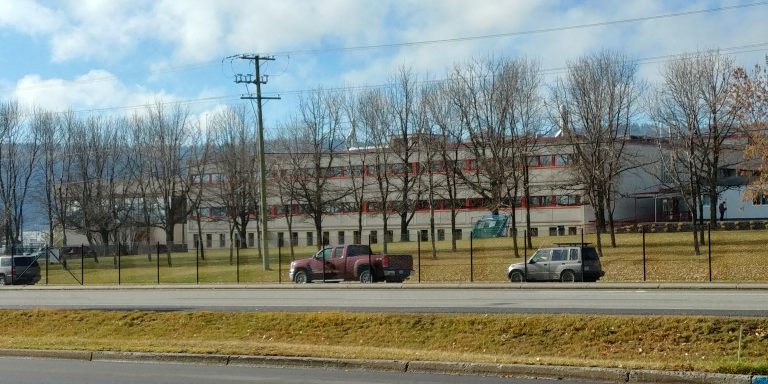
(280, 239)
(295, 238)
(222, 240)
(562, 160)
(251, 240)
(208, 240)
(196, 241)
(568, 200)
(373, 237)
(534, 232)
(553, 231)
(341, 237)
(457, 234)
(389, 236)
(310, 238)
(440, 234)
(358, 239)
(326, 238)
(424, 235)
(760, 199)
(572, 230)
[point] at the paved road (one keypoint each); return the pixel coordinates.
(467, 299)
(28, 371)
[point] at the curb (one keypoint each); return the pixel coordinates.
(355, 285)
(616, 375)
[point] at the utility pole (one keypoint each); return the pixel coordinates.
(259, 80)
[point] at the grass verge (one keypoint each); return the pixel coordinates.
(737, 256)
(653, 342)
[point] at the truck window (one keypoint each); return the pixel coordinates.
(358, 250)
(574, 254)
(338, 252)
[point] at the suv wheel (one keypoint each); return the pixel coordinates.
(516, 277)
(567, 276)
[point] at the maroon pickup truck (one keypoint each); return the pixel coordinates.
(351, 262)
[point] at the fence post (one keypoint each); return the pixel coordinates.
(158, 262)
(581, 251)
(47, 252)
(197, 261)
(118, 263)
(709, 249)
(418, 256)
(525, 251)
(370, 265)
(237, 261)
(644, 256)
(280, 263)
(82, 264)
(471, 257)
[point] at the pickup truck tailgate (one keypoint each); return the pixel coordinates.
(400, 262)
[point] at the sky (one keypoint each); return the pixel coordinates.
(116, 56)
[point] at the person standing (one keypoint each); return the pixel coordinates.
(722, 210)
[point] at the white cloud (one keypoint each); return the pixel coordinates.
(28, 17)
(97, 89)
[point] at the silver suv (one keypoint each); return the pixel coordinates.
(19, 270)
(567, 262)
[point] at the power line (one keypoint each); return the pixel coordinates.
(522, 33)
(747, 48)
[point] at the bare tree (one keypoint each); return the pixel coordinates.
(19, 148)
(695, 107)
(596, 103)
(315, 145)
(170, 131)
(445, 117)
(484, 94)
(97, 190)
(403, 97)
(236, 158)
(48, 130)
(750, 92)
(360, 118)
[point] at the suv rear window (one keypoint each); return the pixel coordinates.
(589, 253)
(24, 261)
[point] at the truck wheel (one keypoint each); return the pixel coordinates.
(365, 276)
(516, 277)
(567, 276)
(301, 277)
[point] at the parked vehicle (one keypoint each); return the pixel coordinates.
(566, 262)
(19, 270)
(351, 262)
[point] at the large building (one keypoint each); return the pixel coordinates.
(557, 204)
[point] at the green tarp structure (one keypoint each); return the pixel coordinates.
(490, 226)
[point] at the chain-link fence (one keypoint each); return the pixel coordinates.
(659, 253)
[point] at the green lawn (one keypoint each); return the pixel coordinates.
(737, 256)
(651, 342)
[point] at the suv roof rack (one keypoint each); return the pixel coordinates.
(572, 244)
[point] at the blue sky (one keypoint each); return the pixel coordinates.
(110, 56)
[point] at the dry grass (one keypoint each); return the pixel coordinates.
(657, 342)
(737, 256)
